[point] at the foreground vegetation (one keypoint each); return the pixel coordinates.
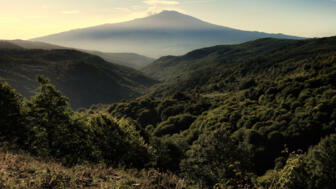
(249, 129)
(20, 170)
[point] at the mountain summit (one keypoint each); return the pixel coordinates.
(166, 33)
(171, 20)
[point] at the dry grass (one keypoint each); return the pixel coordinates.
(21, 170)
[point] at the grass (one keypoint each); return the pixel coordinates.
(20, 170)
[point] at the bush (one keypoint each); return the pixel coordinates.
(174, 124)
(216, 158)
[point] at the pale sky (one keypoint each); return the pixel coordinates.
(26, 19)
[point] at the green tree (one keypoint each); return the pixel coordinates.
(293, 175)
(48, 121)
(118, 142)
(11, 118)
(322, 162)
(216, 158)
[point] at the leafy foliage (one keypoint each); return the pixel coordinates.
(321, 161)
(11, 114)
(215, 158)
(51, 129)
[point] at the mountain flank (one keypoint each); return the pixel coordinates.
(166, 33)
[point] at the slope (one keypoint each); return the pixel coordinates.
(7, 45)
(34, 44)
(269, 103)
(166, 33)
(131, 60)
(226, 68)
(224, 55)
(84, 78)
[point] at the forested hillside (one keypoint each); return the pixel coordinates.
(257, 115)
(212, 57)
(232, 68)
(84, 78)
(265, 98)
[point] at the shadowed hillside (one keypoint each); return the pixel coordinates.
(84, 78)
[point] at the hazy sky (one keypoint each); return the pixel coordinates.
(25, 19)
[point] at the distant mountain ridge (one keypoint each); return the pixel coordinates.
(131, 60)
(8, 45)
(166, 33)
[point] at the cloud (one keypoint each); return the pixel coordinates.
(160, 2)
(150, 7)
(70, 12)
(156, 6)
(155, 10)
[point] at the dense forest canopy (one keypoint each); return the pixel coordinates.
(256, 115)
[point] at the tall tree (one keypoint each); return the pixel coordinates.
(11, 127)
